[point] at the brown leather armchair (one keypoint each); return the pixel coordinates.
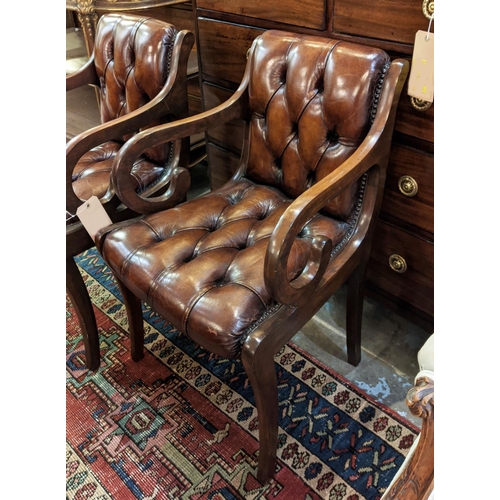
(241, 269)
(139, 68)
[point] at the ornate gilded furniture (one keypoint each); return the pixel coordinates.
(87, 11)
(139, 67)
(241, 269)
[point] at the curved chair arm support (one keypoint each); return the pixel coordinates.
(165, 103)
(373, 152)
(86, 75)
(124, 161)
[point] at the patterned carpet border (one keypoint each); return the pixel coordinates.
(335, 441)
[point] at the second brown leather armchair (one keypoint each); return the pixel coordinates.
(139, 68)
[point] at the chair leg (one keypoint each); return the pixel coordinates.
(77, 291)
(354, 313)
(262, 375)
(133, 306)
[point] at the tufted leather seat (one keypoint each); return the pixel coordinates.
(241, 269)
(139, 68)
(196, 262)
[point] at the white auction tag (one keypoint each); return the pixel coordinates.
(421, 79)
(93, 216)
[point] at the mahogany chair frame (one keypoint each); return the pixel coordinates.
(300, 300)
(171, 101)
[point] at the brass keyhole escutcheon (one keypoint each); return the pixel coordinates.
(397, 263)
(420, 104)
(408, 186)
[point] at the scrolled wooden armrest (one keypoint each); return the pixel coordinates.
(86, 75)
(372, 152)
(154, 136)
(291, 223)
(113, 130)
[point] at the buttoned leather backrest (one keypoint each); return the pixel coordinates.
(132, 59)
(311, 102)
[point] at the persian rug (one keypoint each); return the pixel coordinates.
(182, 423)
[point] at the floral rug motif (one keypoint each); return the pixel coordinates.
(182, 423)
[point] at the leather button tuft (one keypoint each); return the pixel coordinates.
(310, 179)
(332, 136)
(320, 85)
(189, 259)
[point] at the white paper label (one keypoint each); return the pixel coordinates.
(421, 79)
(93, 216)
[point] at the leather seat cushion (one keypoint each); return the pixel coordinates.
(91, 175)
(201, 264)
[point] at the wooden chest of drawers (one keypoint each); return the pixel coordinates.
(404, 240)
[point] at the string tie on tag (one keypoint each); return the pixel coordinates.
(429, 28)
(71, 216)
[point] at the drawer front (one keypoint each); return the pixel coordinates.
(223, 165)
(417, 119)
(416, 284)
(229, 134)
(409, 188)
(181, 15)
(307, 13)
(384, 19)
(223, 48)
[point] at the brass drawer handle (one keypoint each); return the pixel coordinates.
(419, 104)
(408, 186)
(428, 8)
(397, 263)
